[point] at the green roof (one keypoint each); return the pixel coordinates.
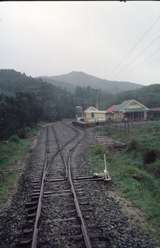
(125, 106)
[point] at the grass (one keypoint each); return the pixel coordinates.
(129, 173)
(12, 151)
(146, 134)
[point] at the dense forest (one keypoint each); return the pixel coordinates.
(86, 96)
(24, 101)
(148, 95)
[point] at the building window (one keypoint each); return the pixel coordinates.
(92, 115)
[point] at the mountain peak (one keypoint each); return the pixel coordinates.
(77, 72)
(81, 73)
(79, 78)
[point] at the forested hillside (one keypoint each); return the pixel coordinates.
(75, 78)
(148, 95)
(87, 96)
(63, 85)
(25, 101)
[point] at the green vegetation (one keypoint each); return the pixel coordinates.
(146, 135)
(25, 101)
(96, 154)
(133, 177)
(87, 96)
(148, 95)
(11, 152)
(78, 78)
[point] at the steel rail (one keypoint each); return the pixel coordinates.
(44, 173)
(60, 148)
(69, 176)
(39, 207)
(83, 225)
(38, 213)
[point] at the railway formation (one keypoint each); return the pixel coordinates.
(58, 204)
(56, 185)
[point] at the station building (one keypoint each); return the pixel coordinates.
(132, 110)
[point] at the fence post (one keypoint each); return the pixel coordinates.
(105, 168)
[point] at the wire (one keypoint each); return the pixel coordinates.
(135, 58)
(136, 44)
(154, 54)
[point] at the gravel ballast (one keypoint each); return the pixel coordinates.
(107, 224)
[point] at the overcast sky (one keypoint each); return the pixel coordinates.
(112, 40)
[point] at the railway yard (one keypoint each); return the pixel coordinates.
(60, 204)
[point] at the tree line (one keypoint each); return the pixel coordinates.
(25, 101)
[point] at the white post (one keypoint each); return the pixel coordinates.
(105, 168)
(145, 115)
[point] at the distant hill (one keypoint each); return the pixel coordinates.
(148, 95)
(75, 78)
(63, 85)
(24, 101)
(12, 81)
(55, 101)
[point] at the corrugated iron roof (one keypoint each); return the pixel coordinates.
(111, 109)
(124, 107)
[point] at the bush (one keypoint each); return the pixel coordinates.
(27, 129)
(21, 133)
(14, 138)
(149, 156)
(154, 168)
(133, 145)
(135, 173)
(98, 149)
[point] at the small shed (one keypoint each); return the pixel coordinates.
(93, 115)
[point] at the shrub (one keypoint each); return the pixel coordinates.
(21, 133)
(14, 138)
(149, 156)
(133, 145)
(98, 149)
(27, 129)
(154, 168)
(135, 173)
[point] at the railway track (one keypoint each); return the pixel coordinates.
(63, 194)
